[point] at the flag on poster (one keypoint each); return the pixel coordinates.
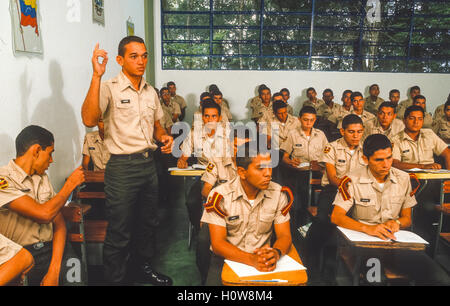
(26, 30)
(29, 14)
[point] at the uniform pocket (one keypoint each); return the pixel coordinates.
(265, 223)
(234, 226)
(365, 209)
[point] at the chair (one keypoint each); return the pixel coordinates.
(316, 186)
(444, 210)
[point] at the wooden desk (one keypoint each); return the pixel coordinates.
(294, 278)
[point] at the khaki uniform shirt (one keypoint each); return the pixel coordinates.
(442, 128)
(325, 111)
(248, 227)
(372, 106)
(307, 150)
(8, 249)
(338, 154)
(439, 113)
(129, 115)
(13, 226)
(316, 104)
(180, 101)
(95, 148)
(427, 121)
(260, 110)
(402, 106)
(220, 171)
(421, 151)
(173, 108)
(166, 121)
(373, 127)
(269, 121)
(366, 116)
(338, 114)
(372, 204)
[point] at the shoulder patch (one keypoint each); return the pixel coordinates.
(3, 183)
(213, 205)
(210, 167)
(327, 150)
(290, 195)
(343, 188)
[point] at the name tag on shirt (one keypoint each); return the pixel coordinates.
(342, 161)
(125, 101)
(233, 218)
(407, 151)
(91, 149)
(365, 200)
(299, 145)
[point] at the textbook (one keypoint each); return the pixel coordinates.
(401, 236)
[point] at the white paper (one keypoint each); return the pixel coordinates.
(199, 167)
(401, 236)
(178, 169)
(304, 165)
(415, 170)
(285, 264)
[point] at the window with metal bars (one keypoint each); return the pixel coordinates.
(315, 35)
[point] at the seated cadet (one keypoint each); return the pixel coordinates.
(439, 112)
(413, 92)
(421, 101)
(214, 88)
(441, 126)
(14, 261)
(380, 200)
(304, 144)
(264, 105)
(385, 123)
(218, 98)
(198, 114)
(30, 210)
(177, 99)
(325, 110)
(169, 105)
(257, 100)
(358, 108)
(394, 97)
(95, 149)
(339, 158)
(286, 96)
(206, 142)
(373, 102)
(243, 215)
(345, 109)
(312, 99)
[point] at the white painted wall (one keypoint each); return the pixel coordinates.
(239, 87)
(49, 89)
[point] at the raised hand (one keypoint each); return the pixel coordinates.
(99, 68)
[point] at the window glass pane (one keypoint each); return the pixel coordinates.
(235, 63)
(429, 66)
(286, 49)
(237, 5)
(185, 62)
(236, 20)
(186, 34)
(287, 20)
(232, 48)
(236, 34)
(332, 64)
(338, 7)
(377, 65)
(282, 63)
(186, 48)
(333, 50)
(287, 35)
(186, 20)
(185, 5)
(288, 5)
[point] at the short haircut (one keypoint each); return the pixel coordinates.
(419, 97)
(31, 136)
(351, 119)
(127, 40)
(278, 94)
(216, 93)
(277, 105)
(246, 153)
(414, 108)
(163, 89)
(285, 90)
(414, 88)
(393, 91)
(311, 89)
(209, 103)
(308, 110)
(388, 104)
(328, 90)
(171, 84)
(447, 104)
(374, 143)
(348, 91)
(213, 87)
(205, 95)
(262, 88)
(356, 94)
(374, 85)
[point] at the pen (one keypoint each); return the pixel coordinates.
(394, 236)
(268, 281)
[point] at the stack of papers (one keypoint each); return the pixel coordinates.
(285, 264)
(401, 236)
(191, 168)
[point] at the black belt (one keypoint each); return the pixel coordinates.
(38, 246)
(143, 155)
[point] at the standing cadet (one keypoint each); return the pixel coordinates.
(380, 200)
(373, 102)
(242, 216)
(302, 150)
(15, 261)
(286, 94)
(132, 112)
(311, 93)
(177, 99)
(421, 101)
(30, 209)
(94, 149)
(358, 108)
(169, 106)
(441, 126)
(385, 123)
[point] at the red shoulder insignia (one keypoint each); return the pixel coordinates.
(413, 176)
(290, 195)
(3, 183)
(210, 167)
(327, 150)
(343, 188)
(213, 205)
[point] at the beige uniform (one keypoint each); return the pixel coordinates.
(249, 227)
(307, 150)
(427, 121)
(8, 249)
(220, 171)
(373, 127)
(372, 106)
(325, 111)
(339, 155)
(129, 115)
(366, 116)
(173, 108)
(373, 204)
(421, 151)
(402, 106)
(269, 121)
(180, 101)
(260, 110)
(439, 113)
(207, 148)
(166, 122)
(338, 114)
(13, 226)
(442, 128)
(95, 148)
(316, 104)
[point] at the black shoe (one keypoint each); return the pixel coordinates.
(147, 275)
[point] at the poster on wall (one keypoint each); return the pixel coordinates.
(130, 27)
(98, 11)
(26, 28)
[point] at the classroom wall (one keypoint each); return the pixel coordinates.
(49, 89)
(239, 87)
